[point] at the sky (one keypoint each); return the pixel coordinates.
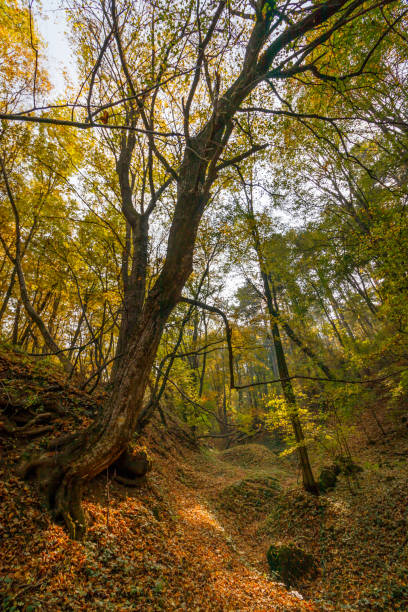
(51, 21)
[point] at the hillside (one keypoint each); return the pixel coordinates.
(195, 535)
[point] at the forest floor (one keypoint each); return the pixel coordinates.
(195, 536)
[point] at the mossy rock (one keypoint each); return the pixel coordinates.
(328, 478)
(291, 564)
(250, 493)
(342, 465)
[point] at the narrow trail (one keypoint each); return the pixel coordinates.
(194, 536)
(222, 570)
(163, 546)
(181, 543)
(220, 574)
(357, 532)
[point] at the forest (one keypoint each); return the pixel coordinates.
(204, 305)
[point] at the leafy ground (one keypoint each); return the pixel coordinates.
(159, 547)
(195, 536)
(358, 535)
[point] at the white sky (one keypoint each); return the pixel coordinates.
(51, 21)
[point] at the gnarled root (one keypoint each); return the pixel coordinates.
(61, 441)
(28, 429)
(62, 489)
(68, 506)
(63, 473)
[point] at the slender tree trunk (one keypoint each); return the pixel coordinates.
(36, 318)
(326, 312)
(14, 338)
(306, 349)
(76, 333)
(309, 482)
(14, 272)
(17, 261)
(204, 363)
(363, 294)
(339, 314)
(8, 293)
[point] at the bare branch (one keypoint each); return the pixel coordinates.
(85, 125)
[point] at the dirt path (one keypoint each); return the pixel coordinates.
(220, 577)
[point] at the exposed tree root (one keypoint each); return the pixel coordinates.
(62, 485)
(29, 468)
(61, 441)
(62, 489)
(26, 430)
(68, 506)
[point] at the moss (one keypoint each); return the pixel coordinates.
(292, 564)
(328, 478)
(249, 456)
(250, 493)
(342, 465)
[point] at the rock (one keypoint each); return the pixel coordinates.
(328, 478)
(132, 466)
(291, 563)
(342, 465)
(296, 594)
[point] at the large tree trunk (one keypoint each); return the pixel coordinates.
(64, 474)
(134, 260)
